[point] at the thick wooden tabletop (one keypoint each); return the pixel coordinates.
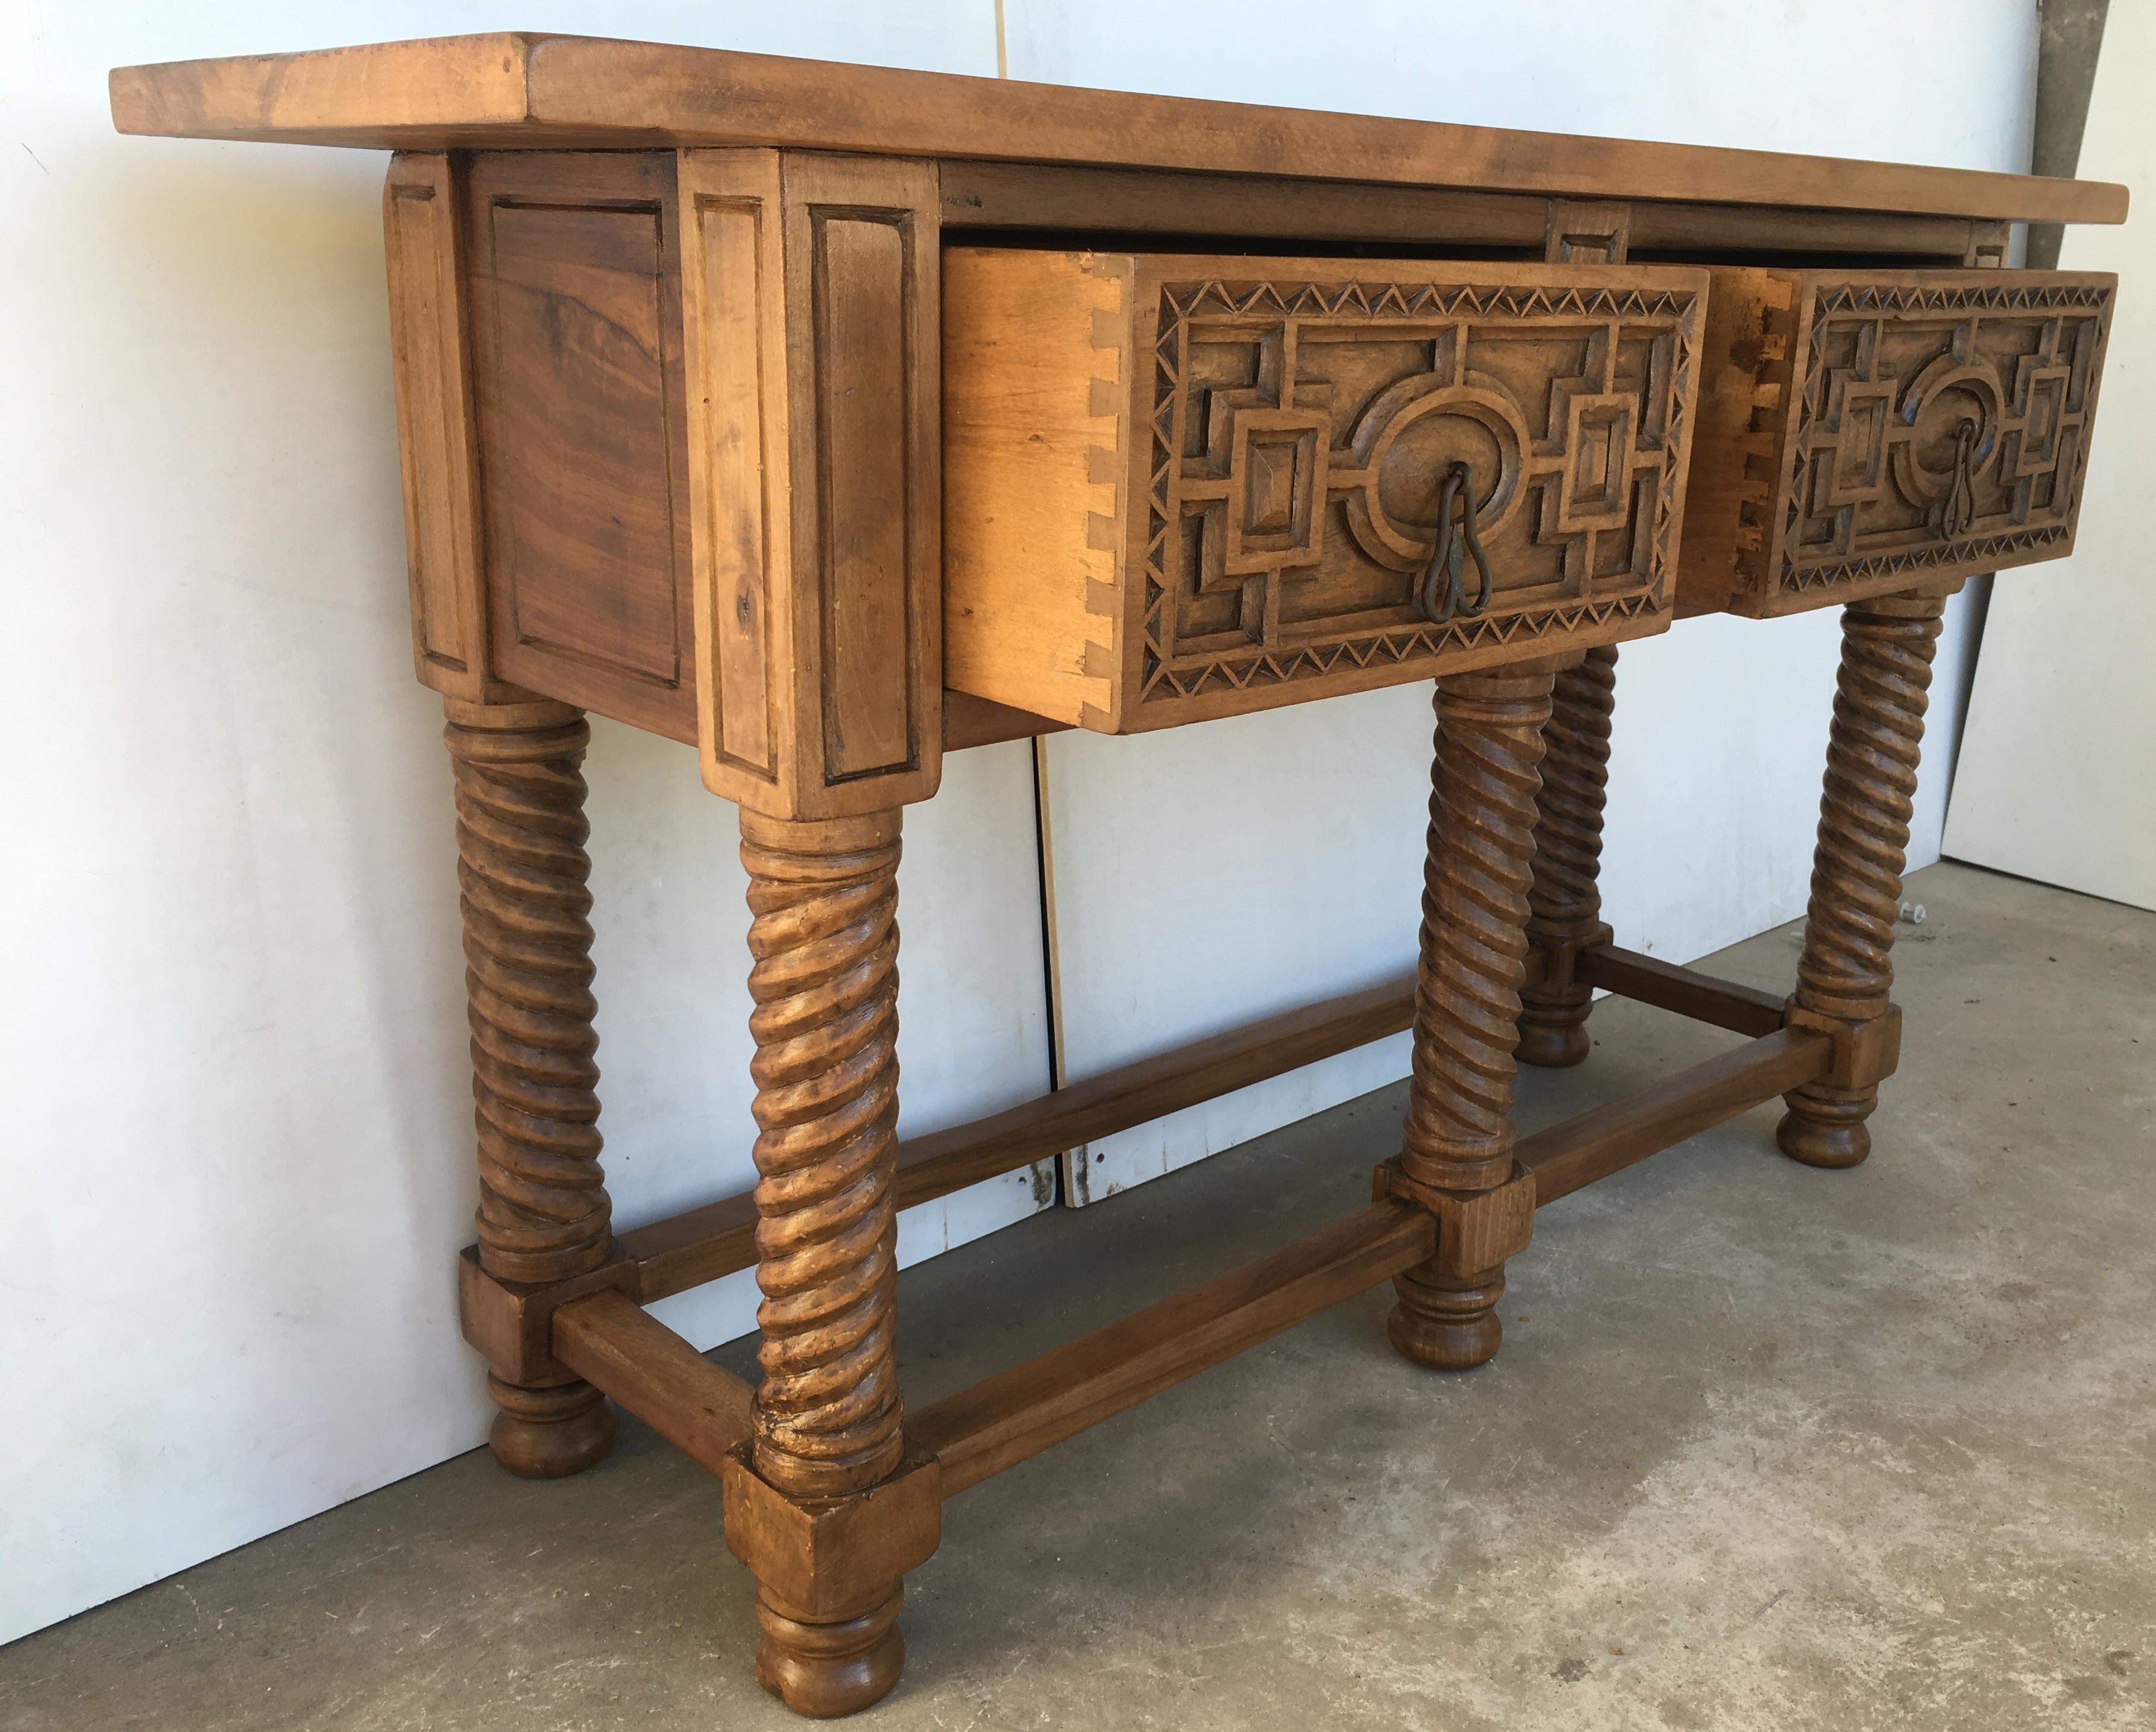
(516, 89)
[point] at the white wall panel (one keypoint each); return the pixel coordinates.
(2059, 780)
(1293, 874)
(238, 1166)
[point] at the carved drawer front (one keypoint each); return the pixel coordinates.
(1862, 433)
(1177, 488)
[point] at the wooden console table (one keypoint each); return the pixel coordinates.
(830, 418)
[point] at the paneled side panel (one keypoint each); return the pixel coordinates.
(580, 391)
(728, 417)
(434, 434)
(811, 319)
(862, 389)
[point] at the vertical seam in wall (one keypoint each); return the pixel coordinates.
(1044, 845)
(1051, 965)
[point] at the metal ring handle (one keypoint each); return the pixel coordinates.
(1958, 514)
(1439, 595)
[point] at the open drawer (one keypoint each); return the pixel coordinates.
(1181, 487)
(1864, 432)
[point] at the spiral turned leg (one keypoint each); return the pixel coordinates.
(1458, 1140)
(1565, 899)
(1847, 968)
(823, 937)
(543, 1213)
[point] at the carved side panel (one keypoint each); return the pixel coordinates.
(810, 295)
(1938, 423)
(577, 339)
(435, 437)
(1300, 433)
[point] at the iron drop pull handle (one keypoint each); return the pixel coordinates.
(1959, 513)
(1440, 596)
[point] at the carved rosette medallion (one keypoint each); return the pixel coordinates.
(1300, 434)
(1939, 428)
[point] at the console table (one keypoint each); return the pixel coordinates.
(830, 418)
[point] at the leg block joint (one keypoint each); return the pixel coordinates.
(1866, 1050)
(832, 1558)
(1476, 1231)
(511, 1323)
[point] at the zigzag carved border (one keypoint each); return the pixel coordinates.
(1840, 300)
(1161, 680)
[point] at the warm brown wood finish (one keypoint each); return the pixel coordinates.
(824, 898)
(970, 721)
(1564, 900)
(997, 1424)
(1458, 1140)
(703, 1244)
(1184, 487)
(1847, 969)
(1608, 1139)
(1862, 432)
(1256, 214)
(830, 418)
(552, 92)
(576, 324)
(1740, 1009)
(437, 431)
(614, 1344)
(812, 309)
(543, 1212)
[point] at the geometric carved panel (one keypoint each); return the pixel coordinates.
(1938, 426)
(1300, 433)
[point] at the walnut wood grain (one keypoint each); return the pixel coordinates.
(1607, 1139)
(999, 1422)
(1046, 205)
(543, 1212)
(1846, 971)
(573, 280)
(1185, 487)
(1472, 962)
(610, 1342)
(823, 899)
(970, 721)
(1650, 980)
(1825, 467)
(1565, 899)
(823, 934)
(556, 92)
(437, 428)
(812, 297)
(702, 1244)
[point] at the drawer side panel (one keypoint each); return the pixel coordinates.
(1035, 380)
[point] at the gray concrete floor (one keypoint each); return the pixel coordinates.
(1766, 1447)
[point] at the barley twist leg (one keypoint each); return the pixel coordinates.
(824, 937)
(1565, 898)
(543, 1213)
(1847, 971)
(1473, 958)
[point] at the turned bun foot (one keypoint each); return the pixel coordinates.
(550, 1433)
(1553, 1045)
(1826, 1134)
(1447, 1325)
(824, 1670)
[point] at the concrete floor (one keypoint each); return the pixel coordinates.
(1766, 1447)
